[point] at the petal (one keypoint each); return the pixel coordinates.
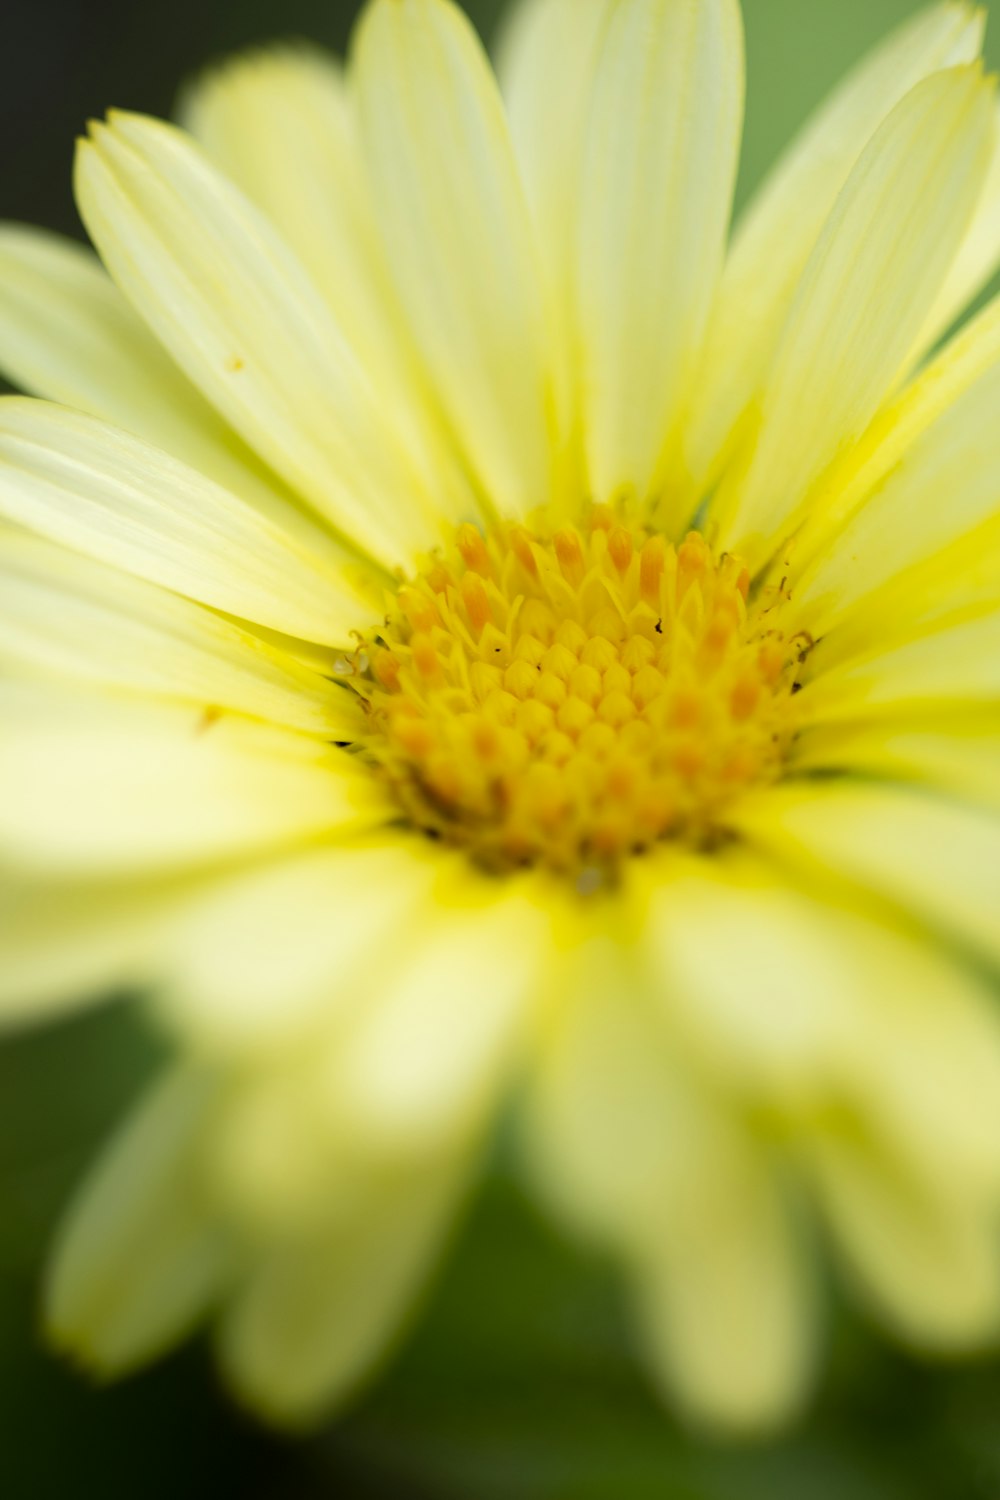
(270, 953)
(974, 265)
(657, 189)
(280, 124)
(67, 334)
(726, 1313)
(953, 666)
(232, 305)
(929, 1262)
(79, 620)
(546, 59)
(115, 498)
(779, 230)
(892, 560)
(101, 787)
(68, 945)
(139, 1260)
(317, 1315)
(457, 234)
(430, 1051)
(863, 299)
(938, 860)
(964, 761)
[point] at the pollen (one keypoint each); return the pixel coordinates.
(570, 697)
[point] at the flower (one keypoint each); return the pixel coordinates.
(475, 640)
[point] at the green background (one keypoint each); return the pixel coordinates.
(516, 1383)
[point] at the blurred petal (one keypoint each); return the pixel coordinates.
(139, 1260)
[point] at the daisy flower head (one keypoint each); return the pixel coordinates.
(480, 637)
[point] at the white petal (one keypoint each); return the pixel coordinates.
(779, 230)
(317, 1316)
(139, 1259)
(77, 619)
(657, 188)
(863, 299)
(117, 499)
(457, 235)
(100, 786)
(230, 302)
(269, 953)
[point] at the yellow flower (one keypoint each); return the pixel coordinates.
(475, 637)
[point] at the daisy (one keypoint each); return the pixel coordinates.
(477, 638)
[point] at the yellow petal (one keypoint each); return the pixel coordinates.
(458, 238)
(657, 189)
(936, 859)
(963, 761)
(98, 786)
(269, 953)
(233, 306)
(546, 58)
(431, 1050)
(779, 230)
(863, 298)
(139, 1259)
(317, 1315)
(115, 498)
(280, 124)
(72, 617)
(67, 334)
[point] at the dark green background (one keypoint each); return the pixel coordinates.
(517, 1383)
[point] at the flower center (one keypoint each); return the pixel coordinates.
(569, 697)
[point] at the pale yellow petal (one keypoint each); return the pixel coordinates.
(779, 230)
(457, 234)
(657, 187)
(726, 1316)
(891, 561)
(67, 334)
(139, 1259)
(546, 58)
(79, 620)
(316, 1316)
(430, 1052)
(115, 498)
(270, 953)
(862, 300)
(280, 124)
(928, 1262)
(963, 760)
(936, 859)
(956, 666)
(233, 306)
(95, 786)
(67, 945)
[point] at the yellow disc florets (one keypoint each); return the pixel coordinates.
(568, 697)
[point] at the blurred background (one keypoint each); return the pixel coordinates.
(517, 1383)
